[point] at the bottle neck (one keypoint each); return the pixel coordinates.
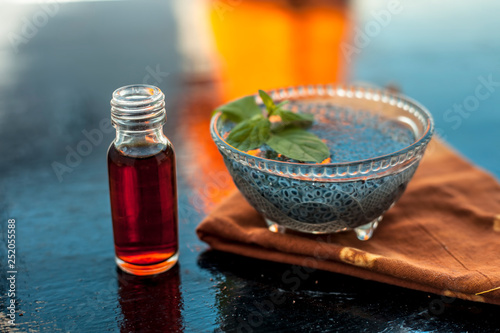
(140, 143)
(138, 114)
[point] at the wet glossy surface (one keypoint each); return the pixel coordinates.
(60, 83)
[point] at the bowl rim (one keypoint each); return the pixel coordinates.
(351, 168)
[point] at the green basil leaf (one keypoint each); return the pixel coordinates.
(240, 109)
(250, 133)
(298, 119)
(278, 106)
(299, 145)
(268, 102)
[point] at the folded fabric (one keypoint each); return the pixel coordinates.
(443, 236)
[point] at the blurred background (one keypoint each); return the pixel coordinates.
(66, 57)
(60, 61)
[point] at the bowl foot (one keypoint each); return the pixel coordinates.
(365, 232)
(275, 227)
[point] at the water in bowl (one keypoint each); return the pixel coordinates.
(354, 136)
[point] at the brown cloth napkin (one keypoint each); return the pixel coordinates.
(443, 236)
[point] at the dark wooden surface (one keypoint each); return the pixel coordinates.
(59, 84)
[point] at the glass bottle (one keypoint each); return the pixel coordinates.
(142, 182)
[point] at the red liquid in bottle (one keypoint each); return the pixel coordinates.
(144, 209)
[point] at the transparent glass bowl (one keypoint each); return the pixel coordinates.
(365, 176)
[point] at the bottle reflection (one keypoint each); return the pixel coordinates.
(151, 304)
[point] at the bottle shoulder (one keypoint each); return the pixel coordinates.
(160, 151)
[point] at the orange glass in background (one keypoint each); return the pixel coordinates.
(260, 44)
(265, 44)
(207, 176)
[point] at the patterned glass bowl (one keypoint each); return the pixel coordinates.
(377, 139)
